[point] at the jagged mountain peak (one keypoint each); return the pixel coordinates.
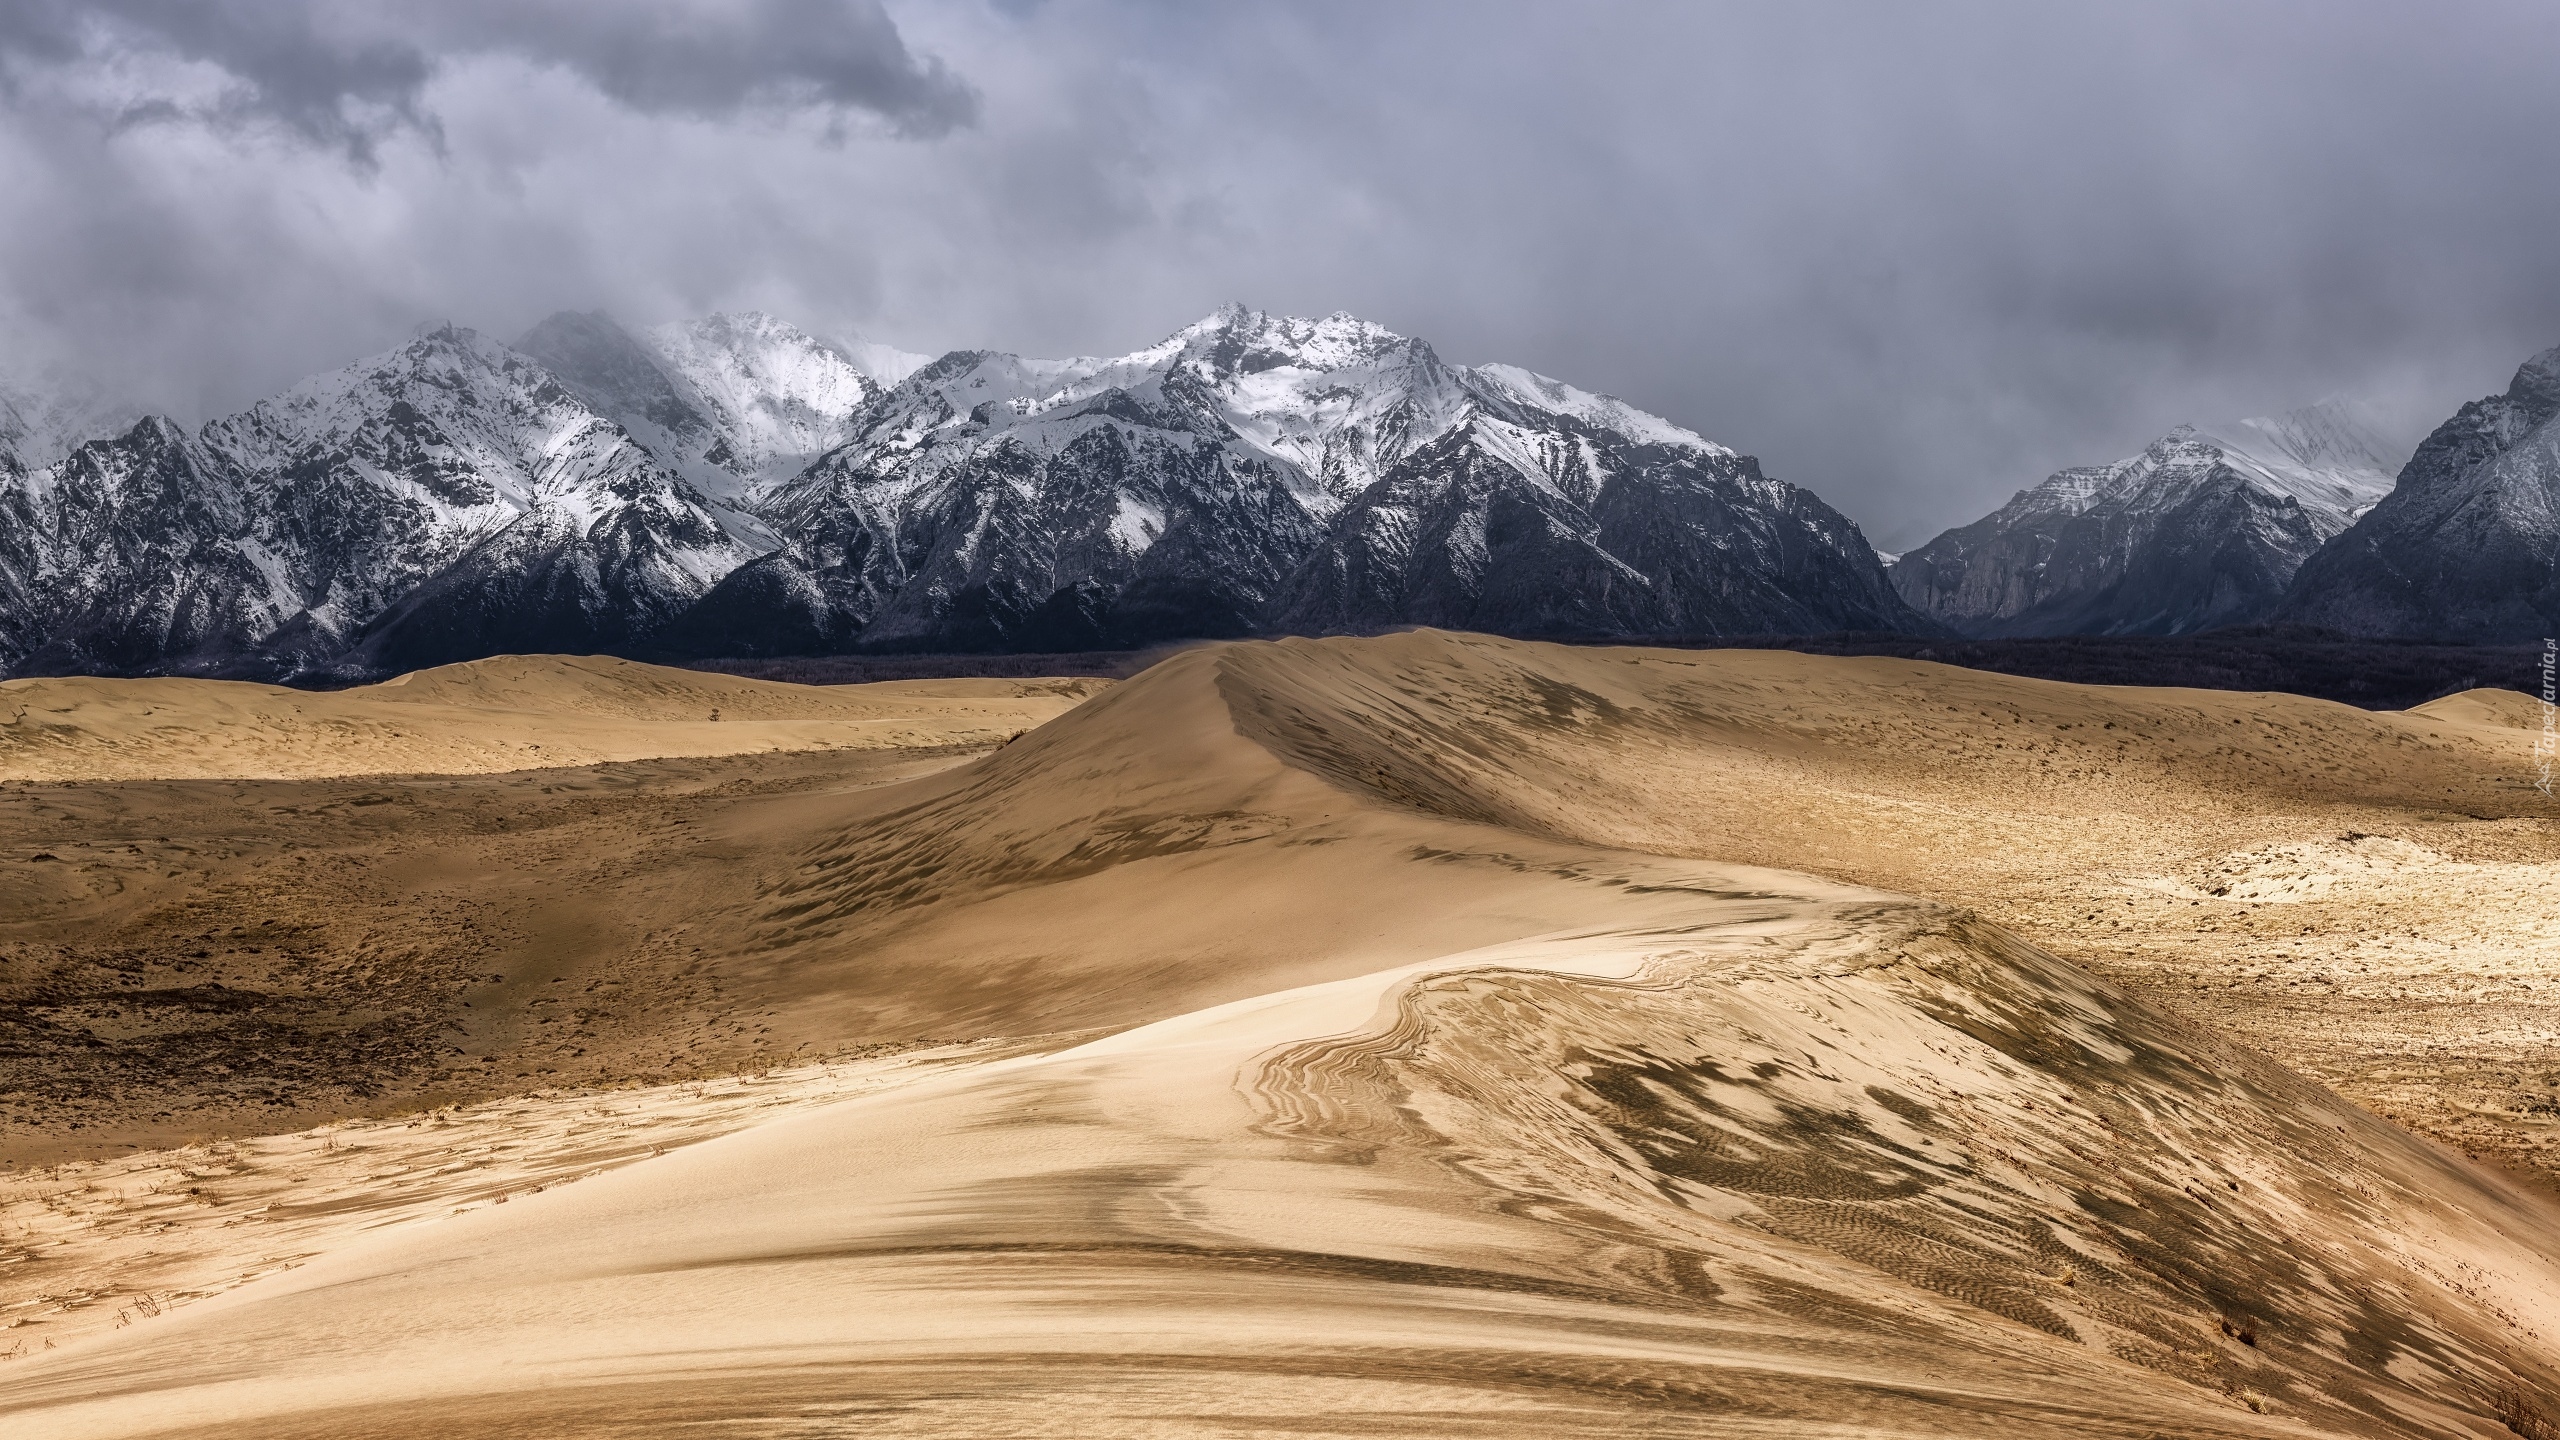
(2066, 492)
(776, 394)
(1254, 470)
(734, 401)
(2322, 456)
(1332, 400)
(2333, 455)
(1606, 412)
(758, 345)
(449, 360)
(441, 343)
(739, 484)
(1236, 339)
(756, 335)
(2538, 379)
(386, 471)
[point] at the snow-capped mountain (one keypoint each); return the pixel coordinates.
(733, 401)
(130, 554)
(1256, 472)
(598, 488)
(1544, 509)
(2467, 544)
(2199, 530)
(448, 498)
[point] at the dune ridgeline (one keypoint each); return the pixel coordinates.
(1444, 1036)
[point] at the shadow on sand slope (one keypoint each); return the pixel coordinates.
(1646, 1145)
(1805, 1161)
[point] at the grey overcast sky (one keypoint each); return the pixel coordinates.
(1914, 255)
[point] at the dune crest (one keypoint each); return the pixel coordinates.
(515, 712)
(2487, 709)
(1470, 1078)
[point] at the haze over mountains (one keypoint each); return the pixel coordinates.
(2468, 544)
(2294, 518)
(2199, 530)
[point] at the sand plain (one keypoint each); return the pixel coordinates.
(1502, 1039)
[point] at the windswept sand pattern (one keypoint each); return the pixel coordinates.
(2386, 922)
(1804, 1160)
(1496, 1039)
(1923, 1098)
(103, 1245)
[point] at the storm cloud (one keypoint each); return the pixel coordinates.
(1914, 257)
(348, 76)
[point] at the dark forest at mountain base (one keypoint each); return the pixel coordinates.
(2372, 674)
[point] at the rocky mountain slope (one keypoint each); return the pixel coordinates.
(2198, 531)
(737, 486)
(1263, 473)
(445, 500)
(2467, 546)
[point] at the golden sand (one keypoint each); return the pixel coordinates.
(1502, 1039)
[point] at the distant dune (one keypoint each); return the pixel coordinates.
(1510, 1039)
(514, 712)
(2493, 709)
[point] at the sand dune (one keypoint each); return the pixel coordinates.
(1811, 1158)
(511, 713)
(2487, 709)
(1486, 1079)
(98, 1245)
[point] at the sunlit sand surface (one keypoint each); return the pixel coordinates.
(1495, 1039)
(515, 712)
(101, 1245)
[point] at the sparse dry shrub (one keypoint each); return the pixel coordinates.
(2519, 1412)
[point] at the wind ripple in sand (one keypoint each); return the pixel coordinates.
(1803, 1162)
(1718, 1152)
(1961, 1113)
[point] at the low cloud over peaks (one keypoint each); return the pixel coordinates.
(347, 76)
(1915, 259)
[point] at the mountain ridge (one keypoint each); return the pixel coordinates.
(1244, 470)
(736, 485)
